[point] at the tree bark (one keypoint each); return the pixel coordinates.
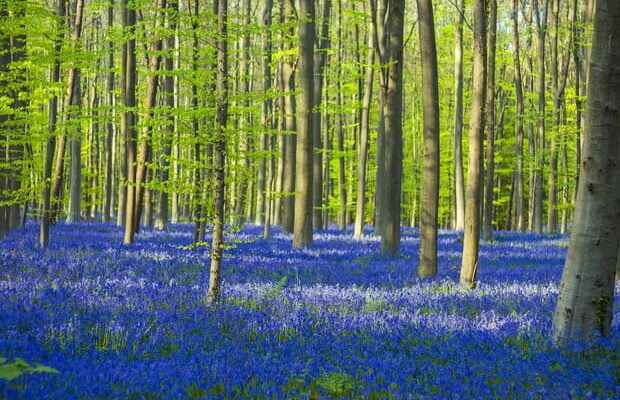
(520, 108)
(471, 240)
(487, 225)
(46, 212)
(459, 182)
(364, 135)
(219, 151)
(430, 187)
(303, 174)
(585, 303)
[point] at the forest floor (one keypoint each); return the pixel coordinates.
(333, 321)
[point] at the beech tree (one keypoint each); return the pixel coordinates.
(585, 303)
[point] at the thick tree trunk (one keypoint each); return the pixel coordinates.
(471, 240)
(585, 302)
(389, 24)
(75, 143)
(219, 150)
(430, 187)
(303, 174)
(489, 187)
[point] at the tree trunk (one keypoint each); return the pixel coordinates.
(46, 212)
(219, 150)
(290, 154)
(109, 149)
(267, 122)
(364, 134)
(585, 302)
(487, 225)
(161, 221)
(320, 59)
(518, 181)
(430, 187)
(541, 25)
(389, 24)
(303, 174)
(459, 183)
(75, 142)
(129, 121)
(471, 240)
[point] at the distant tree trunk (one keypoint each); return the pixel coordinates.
(150, 102)
(471, 241)
(585, 302)
(303, 174)
(489, 170)
(320, 59)
(217, 242)
(430, 187)
(364, 135)
(267, 120)
(161, 221)
(73, 82)
(518, 175)
(46, 212)
(75, 142)
(389, 24)
(109, 150)
(459, 183)
(342, 192)
(541, 28)
(129, 121)
(290, 154)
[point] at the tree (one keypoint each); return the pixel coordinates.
(389, 18)
(364, 134)
(290, 124)
(459, 183)
(471, 240)
(129, 122)
(519, 215)
(489, 184)
(585, 302)
(430, 191)
(303, 174)
(219, 150)
(46, 203)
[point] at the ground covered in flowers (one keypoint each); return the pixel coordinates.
(333, 321)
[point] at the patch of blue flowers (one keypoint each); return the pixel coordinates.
(333, 321)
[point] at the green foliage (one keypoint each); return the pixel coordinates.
(18, 367)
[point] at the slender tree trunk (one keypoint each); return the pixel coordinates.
(364, 135)
(75, 142)
(109, 149)
(161, 221)
(267, 121)
(430, 186)
(290, 105)
(487, 225)
(129, 121)
(585, 302)
(541, 25)
(303, 174)
(459, 182)
(471, 240)
(46, 214)
(518, 184)
(320, 59)
(217, 243)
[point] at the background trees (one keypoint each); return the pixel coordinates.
(354, 98)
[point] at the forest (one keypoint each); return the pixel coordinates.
(309, 199)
